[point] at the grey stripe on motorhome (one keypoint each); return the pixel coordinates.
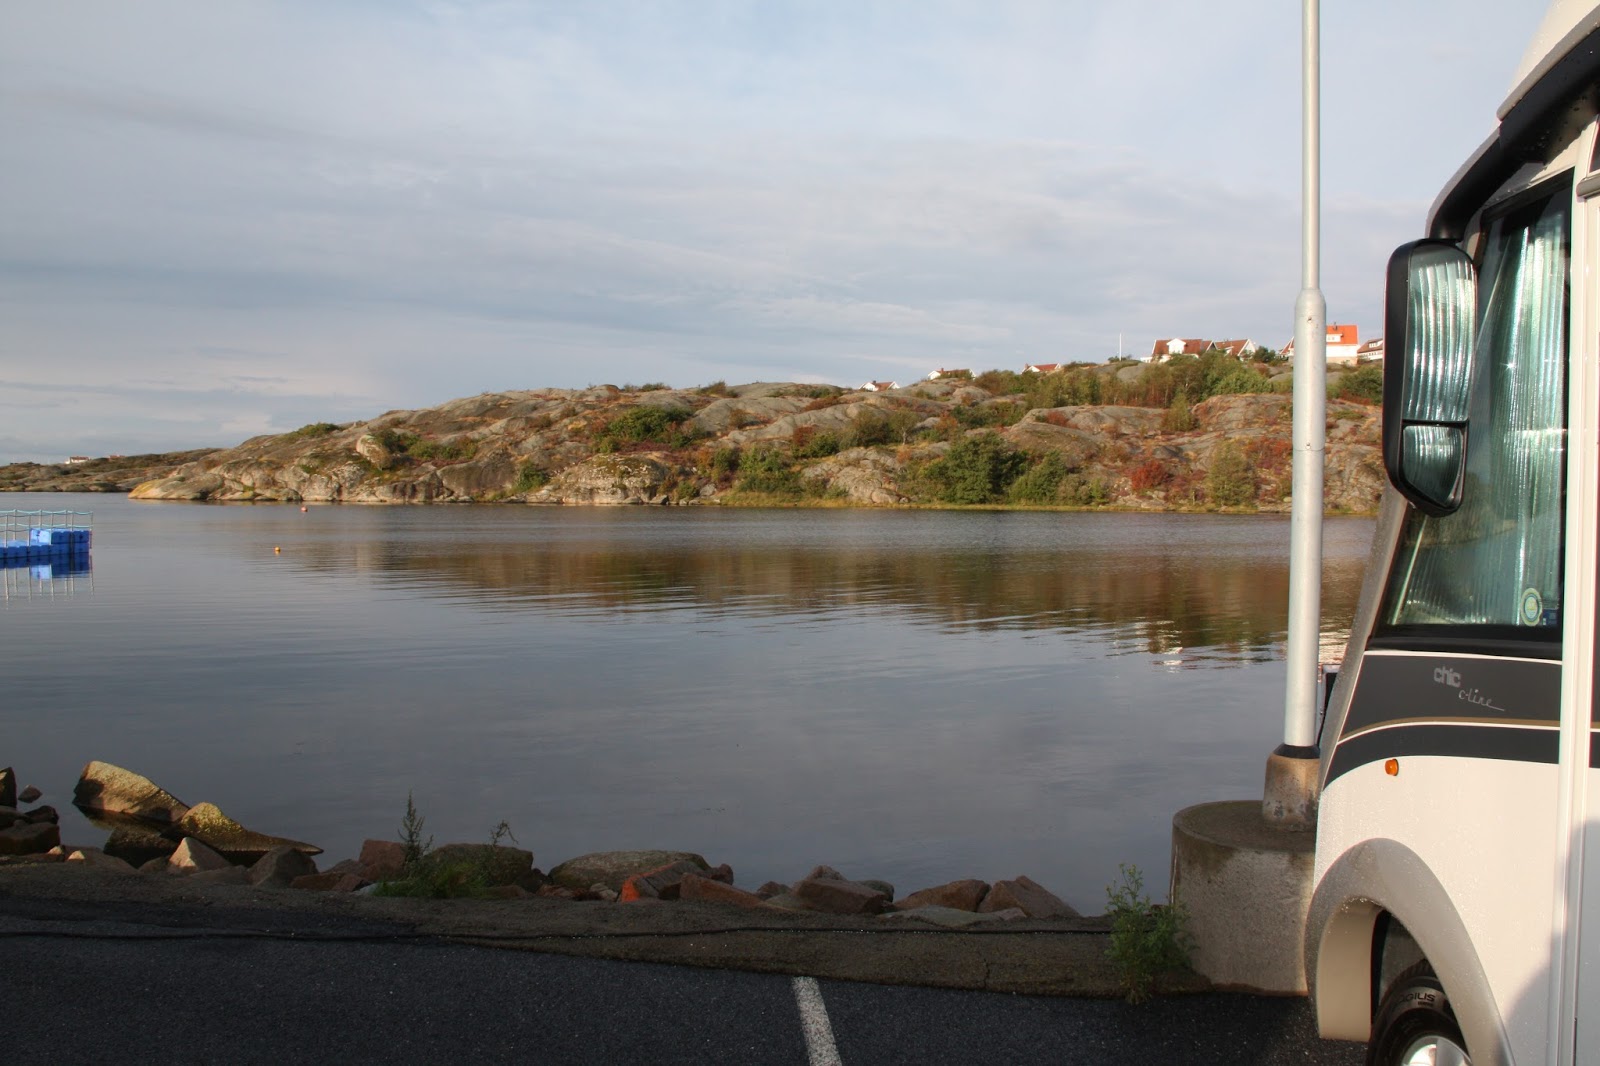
(1440, 685)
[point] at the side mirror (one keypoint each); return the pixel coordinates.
(1430, 321)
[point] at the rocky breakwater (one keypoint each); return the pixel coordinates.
(153, 833)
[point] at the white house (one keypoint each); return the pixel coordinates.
(935, 375)
(1166, 348)
(1344, 345)
(1041, 368)
(879, 386)
(1371, 351)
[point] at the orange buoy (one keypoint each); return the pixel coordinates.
(302, 510)
(276, 550)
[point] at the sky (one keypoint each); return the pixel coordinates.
(228, 218)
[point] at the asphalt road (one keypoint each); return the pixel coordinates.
(131, 991)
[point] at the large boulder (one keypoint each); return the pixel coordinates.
(280, 866)
(8, 788)
(191, 856)
(210, 826)
(865, 475)
(110, 789)
(29, 838)
(138, 846)
(95, 859)
(956, 895)
(610, 479)
(499, 864)
(612, 868)
(1028, 896)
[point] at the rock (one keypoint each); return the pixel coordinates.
(8, 788)
(506, 892)
(278, 867)
(556, 892)
(192, 855)
(42, 814)
(840, 897)
(216, 830)
(957, 895)
(96, 859)
(1028, 896)
(500, 865)
(348, 866)
(951, 917)
(771, 889)
(157, 865)
(824, 873)
(113, 790)
(696, 888)
(787, 901)
(612, 868)
(383, 860)
(636, 888)
(328, 882)
(10, 816)
(611, 479)
(28, 795)
(29, 838)
(227, 875)
(138, 846)
(721, 872)
(601, 893)
(878, 886)
(664, 879)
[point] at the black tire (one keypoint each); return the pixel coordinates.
(1415, 1012)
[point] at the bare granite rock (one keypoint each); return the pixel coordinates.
(500, 865)
(136, 845)
(215, 829)
(383, 860)
(957, 895)
(280, 866)
(29, 838)
(99, 860)
(8, 788)
(840, 897)
(192, 856)
(113, 790)
(612, 868)
(1028, 896)
(704, 889)
(27, 795)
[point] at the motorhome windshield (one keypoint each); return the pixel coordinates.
(1495, 565)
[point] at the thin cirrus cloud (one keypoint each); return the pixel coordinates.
(249, 216)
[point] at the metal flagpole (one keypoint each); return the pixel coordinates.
(1291, 772)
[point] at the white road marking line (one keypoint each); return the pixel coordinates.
(814, 1023)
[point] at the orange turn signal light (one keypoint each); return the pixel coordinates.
(1392, 767)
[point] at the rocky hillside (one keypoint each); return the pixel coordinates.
(120, 473)
(939, 442)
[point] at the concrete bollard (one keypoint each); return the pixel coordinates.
(1247, 887)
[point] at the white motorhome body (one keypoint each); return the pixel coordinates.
(1452, 915)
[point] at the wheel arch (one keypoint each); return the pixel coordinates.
(1377, 877)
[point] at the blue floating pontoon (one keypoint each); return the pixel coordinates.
(32, 537)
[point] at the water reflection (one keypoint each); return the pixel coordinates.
(1198, 591)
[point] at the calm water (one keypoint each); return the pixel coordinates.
(913, 696)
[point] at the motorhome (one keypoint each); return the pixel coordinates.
(1455, 915)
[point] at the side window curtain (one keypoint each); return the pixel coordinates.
(1497, 561)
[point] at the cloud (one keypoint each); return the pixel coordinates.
(337, 205)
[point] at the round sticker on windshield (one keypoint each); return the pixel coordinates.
(1532, 607)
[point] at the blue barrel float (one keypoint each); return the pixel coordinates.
(59, 540)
